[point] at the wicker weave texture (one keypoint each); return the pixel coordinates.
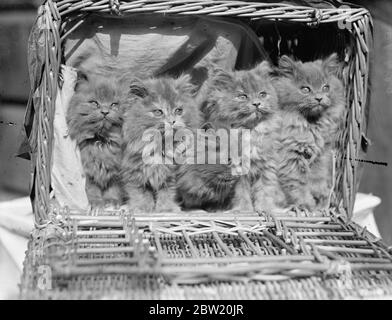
(151, 256)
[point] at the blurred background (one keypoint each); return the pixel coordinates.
(16, 19)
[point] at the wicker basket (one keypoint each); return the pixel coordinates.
(117, 254)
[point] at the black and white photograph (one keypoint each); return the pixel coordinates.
(195, 150)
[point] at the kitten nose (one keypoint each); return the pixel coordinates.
(104, 112)
(257, 103)
(318, 99)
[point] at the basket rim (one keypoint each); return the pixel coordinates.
(48, 57)
(220, 8)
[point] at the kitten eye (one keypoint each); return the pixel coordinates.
(305, 89)
(326, 88)
(178, 111)
(95, 103)
(242, 96)
(114, 105)
(263, 94)
(158, 112)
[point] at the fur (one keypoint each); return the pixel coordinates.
(313, 90)
(246, 99)
(154, 104)
(312, 100)
(205, 186)
(94, 119)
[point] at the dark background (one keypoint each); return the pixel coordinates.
(17, 17)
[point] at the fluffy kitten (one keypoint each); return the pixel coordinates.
(205, 186)
(94, 119)
(246, 99)
(313, 96)
(160, 104)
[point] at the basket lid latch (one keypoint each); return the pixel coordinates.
(115, 7)
(316, 16)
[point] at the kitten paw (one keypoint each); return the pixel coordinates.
(243, 207)
(141, 207)
(269, 201)
(307, 206)
(262, 209)
(165, 201)
(97, 203)
(167, 206)
(112, 204)
(307, 152)
(140, 201)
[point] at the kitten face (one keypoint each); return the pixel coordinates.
(95, 107)
(162, 103)
(242, 98)
(311, 87)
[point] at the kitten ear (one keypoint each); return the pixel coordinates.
(287, 65)
(221, 79)
(81, 78)
(137, 88)
(184, 85)
(263, 69)
(331, 64)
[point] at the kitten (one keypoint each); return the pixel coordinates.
(160, 104)
(94, 119)
(314, 96)
(246, 99)
(206, 185)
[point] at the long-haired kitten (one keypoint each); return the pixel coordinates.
(205, 186)
(247, 100)
(313, 95)
(208, 182)
(160, 106)
(94, 119)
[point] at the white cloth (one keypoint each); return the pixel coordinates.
(68, 180)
